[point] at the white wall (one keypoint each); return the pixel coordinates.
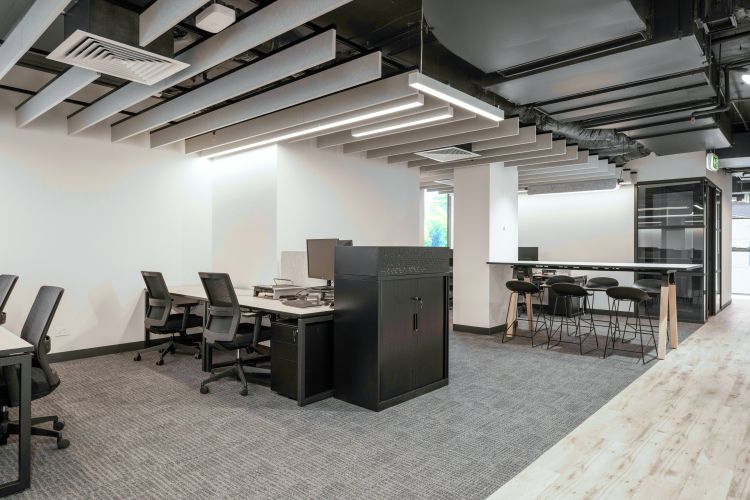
(596, 226)
(244, 216)
(326, 194)
(80, 213)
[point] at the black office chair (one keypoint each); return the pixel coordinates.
(44, 379)
(160, 320)
(225, 329)
(7, 282)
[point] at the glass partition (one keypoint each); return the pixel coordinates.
(676, 223)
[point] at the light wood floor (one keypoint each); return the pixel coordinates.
(681, 430)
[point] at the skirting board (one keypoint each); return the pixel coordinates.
(94, 351)
(478, 329)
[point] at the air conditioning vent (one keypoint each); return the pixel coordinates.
(450, 153)
(103, 55)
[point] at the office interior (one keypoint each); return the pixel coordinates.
(362, 249)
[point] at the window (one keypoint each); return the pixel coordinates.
(436, 219)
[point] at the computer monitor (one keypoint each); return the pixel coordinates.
(528, 253)
(321, 256)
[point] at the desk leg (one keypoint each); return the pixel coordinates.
(661, 350)
(24, 435)
(24, 419)
(510, 323)
(206, 352)
(529, 309)
(673, 336)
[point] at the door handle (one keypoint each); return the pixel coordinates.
(415, 322)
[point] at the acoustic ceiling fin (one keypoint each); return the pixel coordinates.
(32, 25)
(270, 21)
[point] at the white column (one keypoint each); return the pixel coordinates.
(485, 228)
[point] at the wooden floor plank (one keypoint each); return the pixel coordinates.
(681, 430)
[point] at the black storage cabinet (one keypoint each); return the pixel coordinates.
(390, 324)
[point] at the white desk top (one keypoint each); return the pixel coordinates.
(614, 266)
(10, 343)
(245, 298)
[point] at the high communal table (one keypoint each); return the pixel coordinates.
(303, 316)
(16, 351)
(668, 299)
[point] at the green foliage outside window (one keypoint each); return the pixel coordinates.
(436, 220)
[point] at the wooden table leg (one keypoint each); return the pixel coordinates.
(673, 337)
(512, 314)
(661, 350)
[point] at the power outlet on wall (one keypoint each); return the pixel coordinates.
(62, 333)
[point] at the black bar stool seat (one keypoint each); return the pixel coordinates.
(635, 297)
(650, 286)
(524, 288)
(598, 284)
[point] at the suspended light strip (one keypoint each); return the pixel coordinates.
(320, 128)
(409, 121)
(449, 94)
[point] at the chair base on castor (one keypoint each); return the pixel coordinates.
(238, 371)
(12, 427)
(171, 347)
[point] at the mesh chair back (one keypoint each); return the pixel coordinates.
(223, 308)
(37, 324)
(159, 300)
(7, 282)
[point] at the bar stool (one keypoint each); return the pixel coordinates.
(566, 294)
(635, 297)
(523, 288)
(558, 278)
(600, 284)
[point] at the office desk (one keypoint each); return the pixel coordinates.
(303, 316)
(668, 298)
(16, 351)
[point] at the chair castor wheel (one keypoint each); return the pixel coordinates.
(198, 356)
(137, 357)
(160, 362)
(62, 443)
(59, 425)
(243, 392)
(204, 389)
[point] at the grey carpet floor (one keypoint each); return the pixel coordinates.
(138, 430)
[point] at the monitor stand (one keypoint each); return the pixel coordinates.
(324, 290)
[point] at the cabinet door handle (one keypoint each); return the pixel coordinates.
(415, 322)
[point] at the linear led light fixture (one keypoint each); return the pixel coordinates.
(456, 97)
(382, 111)
(574, 187)
(407, 121)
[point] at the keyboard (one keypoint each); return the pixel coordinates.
(301, 303)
